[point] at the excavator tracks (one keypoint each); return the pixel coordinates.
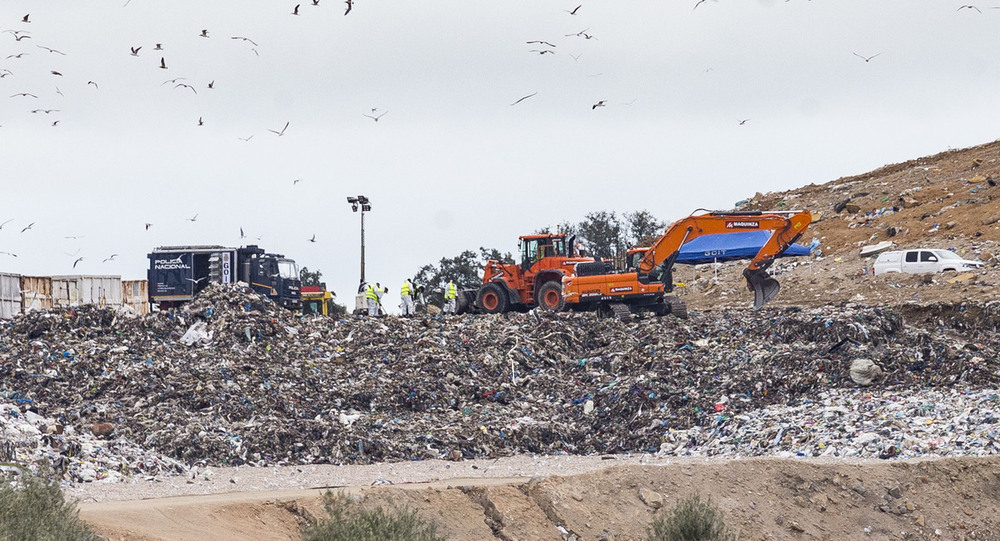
(677, 307)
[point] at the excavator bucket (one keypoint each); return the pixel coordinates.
(764, 287)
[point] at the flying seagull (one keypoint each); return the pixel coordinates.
(178, 85)
(173, 81)
(375, 117)
(79, 259)
(148, 225)
(296, 181)
(204, 33)
(25, 18)
(163, 63)
(135, 50)
(212, 84)
(197, 280)
(193, 218)
(95, 85)
(296, 10)
(49, 49)
(313, 239)
(25, 94)
(245, 138)
(542, 51)
(159, 47)
(574, 10)
(598, 104)
(866, 58)
(350, 4)
(18, 55)
(9, 253)
(282, 132)
(542, 42)
(744, 121)
(242, 236)
(524, 98)
(111, 258)
(970, 6)
(7, 222)
(200, 123)
(245, 39)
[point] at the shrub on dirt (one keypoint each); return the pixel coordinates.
(693, 519)
(33, 507)
(350, 522)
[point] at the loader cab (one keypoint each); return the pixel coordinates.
(535, 248)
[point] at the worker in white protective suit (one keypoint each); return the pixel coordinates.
(406, 294)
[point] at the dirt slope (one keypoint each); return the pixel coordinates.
(950, 200)
(763, 499)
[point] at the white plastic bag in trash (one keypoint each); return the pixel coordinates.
(197, 333)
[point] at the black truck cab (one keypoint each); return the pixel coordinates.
(177, 273)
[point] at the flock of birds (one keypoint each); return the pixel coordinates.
(25, 39)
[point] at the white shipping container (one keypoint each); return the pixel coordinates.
(77, 290)
(10, 295)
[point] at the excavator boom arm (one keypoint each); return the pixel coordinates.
(788, 226)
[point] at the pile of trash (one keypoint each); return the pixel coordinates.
(232, 379)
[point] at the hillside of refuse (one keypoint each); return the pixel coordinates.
(231, 379)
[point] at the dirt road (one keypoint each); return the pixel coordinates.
(595, 499)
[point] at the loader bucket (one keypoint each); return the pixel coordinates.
(763, 286)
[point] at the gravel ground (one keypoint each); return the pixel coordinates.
(254, 479)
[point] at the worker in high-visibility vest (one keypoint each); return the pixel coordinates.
(406, 294)
(372, 299)
(379, 292)
(450, 297)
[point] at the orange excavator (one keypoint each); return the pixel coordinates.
(643, 286)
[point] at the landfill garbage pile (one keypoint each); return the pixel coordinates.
(232, 379)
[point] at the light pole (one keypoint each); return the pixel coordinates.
(365, 205)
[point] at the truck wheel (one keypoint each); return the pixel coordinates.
(492, 299)
(550, 297)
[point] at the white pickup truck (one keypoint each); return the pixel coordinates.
(922, 260)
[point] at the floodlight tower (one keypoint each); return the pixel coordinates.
(361, 202)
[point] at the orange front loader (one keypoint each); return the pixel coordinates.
(545, 260)
(645, 286)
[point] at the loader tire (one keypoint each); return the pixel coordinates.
(492, 299)
(550, 297)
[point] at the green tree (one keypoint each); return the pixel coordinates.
(601, 234)
(466, 269)
(310, 278)
(642, 228)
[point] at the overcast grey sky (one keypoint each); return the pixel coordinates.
(452, 165)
